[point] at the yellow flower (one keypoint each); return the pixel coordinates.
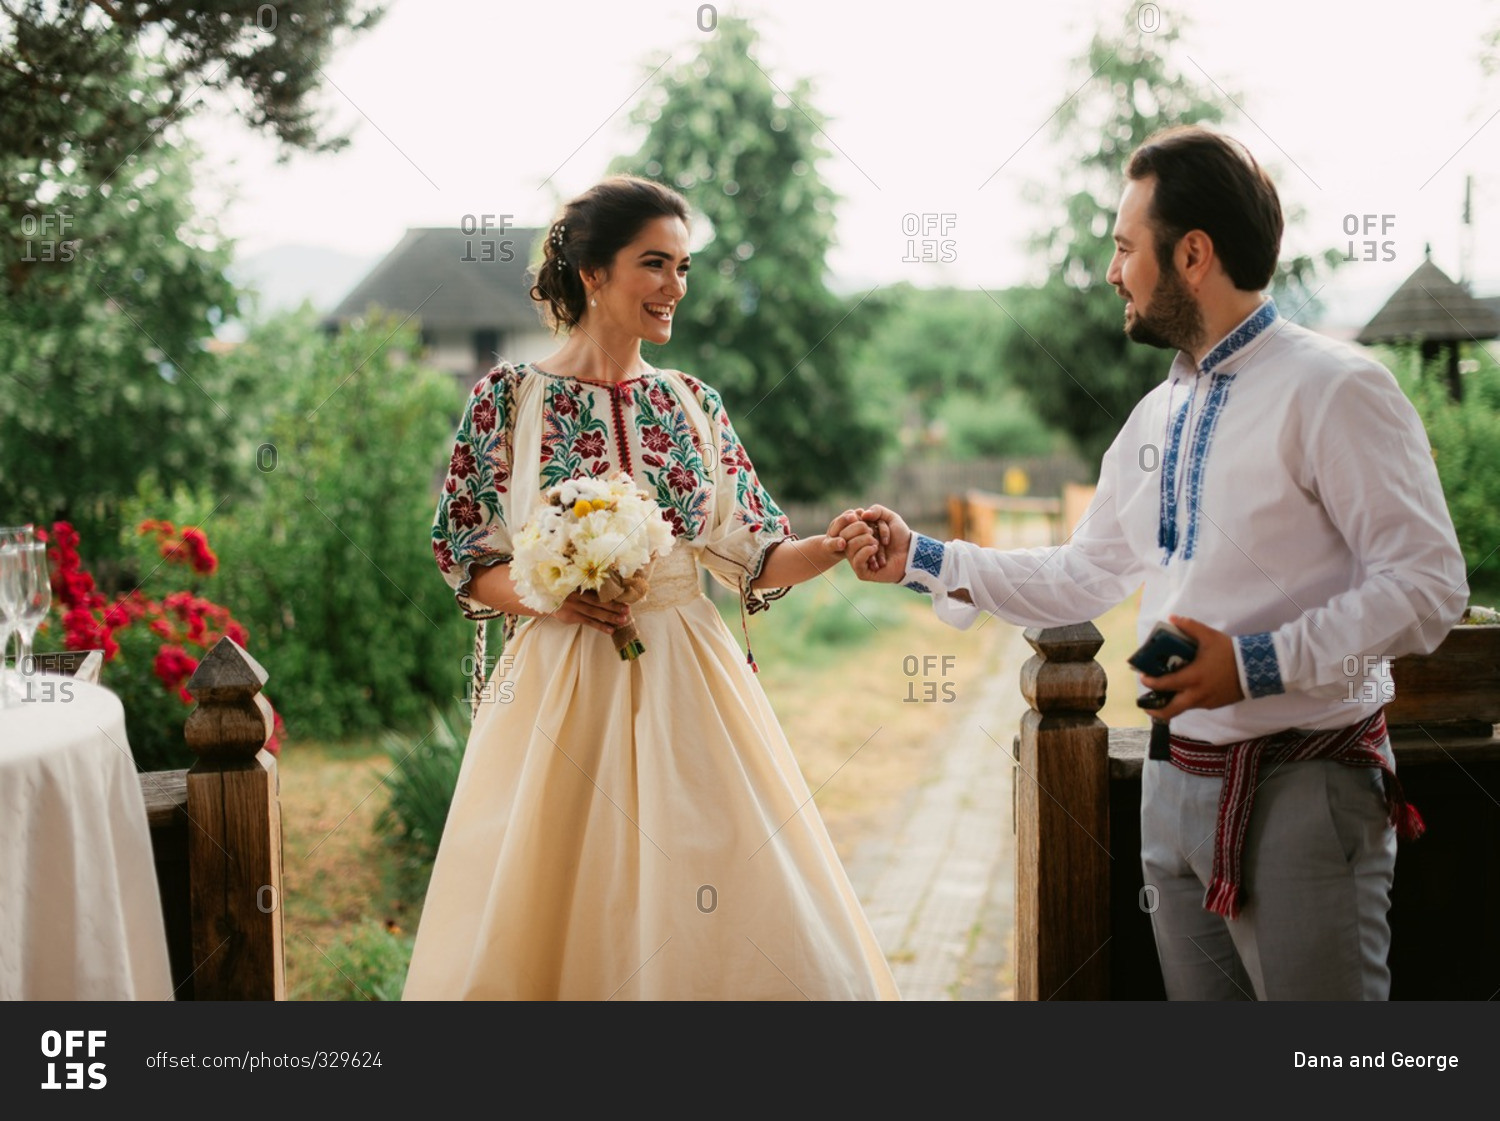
(582, 507)
(601, 504)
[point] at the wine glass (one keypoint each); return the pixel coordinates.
(34, 601)
(10, 610)
(12, 537)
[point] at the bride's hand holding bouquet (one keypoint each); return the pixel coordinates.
(592, 539)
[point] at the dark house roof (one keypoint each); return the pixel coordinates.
(1430, 306)
(451, 279)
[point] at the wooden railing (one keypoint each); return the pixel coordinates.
(1083, 930)
(216, 832)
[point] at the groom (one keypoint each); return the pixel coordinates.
(1295, 527)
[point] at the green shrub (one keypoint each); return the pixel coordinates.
(1466, 445)
(421, 783)
(326, 552)
(369, 963)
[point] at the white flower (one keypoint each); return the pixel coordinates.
(559, 552)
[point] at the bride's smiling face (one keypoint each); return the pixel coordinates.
(640, 291)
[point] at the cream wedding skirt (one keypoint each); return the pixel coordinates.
(638, 831)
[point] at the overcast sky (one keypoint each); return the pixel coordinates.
(459, 108)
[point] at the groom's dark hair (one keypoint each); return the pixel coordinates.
(1206, 181)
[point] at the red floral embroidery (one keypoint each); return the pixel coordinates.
(660, 398)
(464, 512)
(563, 405)
(444, 553)
(680, 479)
(656, 439)
(463, 463)
(485, 415)
(590, 445)
(679, 529)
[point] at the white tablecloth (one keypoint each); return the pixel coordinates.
(80, 913)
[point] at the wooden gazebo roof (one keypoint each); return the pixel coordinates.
(1430, 307)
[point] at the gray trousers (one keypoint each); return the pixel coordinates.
(1320, 855)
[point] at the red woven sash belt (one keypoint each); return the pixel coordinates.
(1239, 763)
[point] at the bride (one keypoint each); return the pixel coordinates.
(629, 829)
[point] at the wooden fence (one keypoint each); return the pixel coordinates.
(216, 836)
(921, 491)
(1082, 929)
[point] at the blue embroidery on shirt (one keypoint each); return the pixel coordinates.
(1235, 341)
(927, 555)
(914, 586)
(1262, 670)
(1166, 530)
(1203, 433)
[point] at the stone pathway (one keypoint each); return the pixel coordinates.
(939, 884)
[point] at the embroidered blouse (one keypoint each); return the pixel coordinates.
(1283, 492)
(668, 430)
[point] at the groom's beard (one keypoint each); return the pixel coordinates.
(1175, 321)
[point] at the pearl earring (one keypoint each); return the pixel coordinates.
(593, 302)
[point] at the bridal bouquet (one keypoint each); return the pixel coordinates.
(598, 535)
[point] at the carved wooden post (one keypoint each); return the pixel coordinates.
(234, 838)
(1062, 820)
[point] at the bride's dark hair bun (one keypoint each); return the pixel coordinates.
(591, 229)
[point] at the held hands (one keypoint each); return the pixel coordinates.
(884, 560)
(851, 537)
(1210, 680)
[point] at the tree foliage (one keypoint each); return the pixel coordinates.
(760, 323)
(325, 551)
(104, 366)
(91, 89)
(1071, 356)
(933, 361)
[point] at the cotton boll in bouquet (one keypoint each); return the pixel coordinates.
(592, 534)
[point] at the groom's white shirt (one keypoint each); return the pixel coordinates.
(1289, 499)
